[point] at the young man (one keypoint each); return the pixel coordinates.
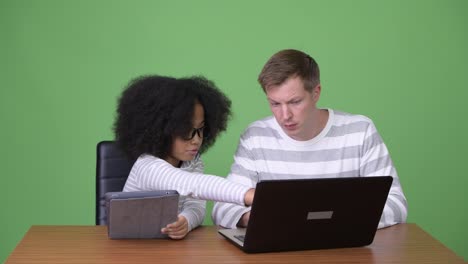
(302, 141)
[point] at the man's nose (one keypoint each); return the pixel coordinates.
(286, 112)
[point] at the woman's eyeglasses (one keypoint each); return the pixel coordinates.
(191, 135)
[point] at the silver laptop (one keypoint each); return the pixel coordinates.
(313, 214)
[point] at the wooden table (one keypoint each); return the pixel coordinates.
(404, 243)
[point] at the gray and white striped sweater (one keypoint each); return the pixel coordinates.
(349, 145)
(152, 173)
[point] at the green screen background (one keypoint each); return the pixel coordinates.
(64, 63)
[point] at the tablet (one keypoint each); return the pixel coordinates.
(140, 214)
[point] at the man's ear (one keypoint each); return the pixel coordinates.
(316, 92)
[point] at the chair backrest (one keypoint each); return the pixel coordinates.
(112, 169)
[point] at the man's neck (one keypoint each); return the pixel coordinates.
(321, 115)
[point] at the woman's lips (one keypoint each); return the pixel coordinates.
(193, 151)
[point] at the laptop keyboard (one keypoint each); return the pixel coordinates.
(240, 237)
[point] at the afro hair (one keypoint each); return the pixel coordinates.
(153, 110)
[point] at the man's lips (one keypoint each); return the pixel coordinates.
(290, 126)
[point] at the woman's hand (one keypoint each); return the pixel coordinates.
(248, 198)
(178, 229)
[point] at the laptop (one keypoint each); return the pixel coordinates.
(140, 214)
(303, 214)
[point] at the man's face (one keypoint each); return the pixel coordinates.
(294, 107)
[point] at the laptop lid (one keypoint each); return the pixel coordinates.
(303, 214)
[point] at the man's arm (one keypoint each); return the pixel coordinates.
(376, 161)
(244, 221)
(243, 172)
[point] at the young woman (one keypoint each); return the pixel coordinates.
(166, 123)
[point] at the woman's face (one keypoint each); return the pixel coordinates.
(186, 148)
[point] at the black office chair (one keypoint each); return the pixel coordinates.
(112, 169)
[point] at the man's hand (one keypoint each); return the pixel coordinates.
(244, 220)
(178, 229)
